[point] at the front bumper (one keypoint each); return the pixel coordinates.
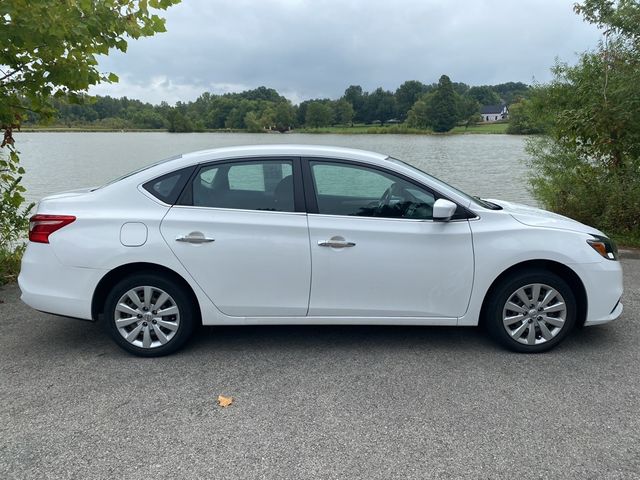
(612, 316)
(603, 284)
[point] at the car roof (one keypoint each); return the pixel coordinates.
(249, 151)
(284, 150)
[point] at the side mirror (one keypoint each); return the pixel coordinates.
(443, 210)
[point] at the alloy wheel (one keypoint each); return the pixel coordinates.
(534, 314)
(147, 317)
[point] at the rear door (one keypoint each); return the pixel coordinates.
(241, 231)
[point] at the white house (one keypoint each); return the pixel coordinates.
(493, 113)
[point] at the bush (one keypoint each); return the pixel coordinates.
(588, 167)
(14, 217)
(567, 184)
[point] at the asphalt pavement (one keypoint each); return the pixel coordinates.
(318, 402)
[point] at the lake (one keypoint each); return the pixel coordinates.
(490, 166)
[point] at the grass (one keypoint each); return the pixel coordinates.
(491, 128)
(497, 128)
(401, 129)
(365, 129)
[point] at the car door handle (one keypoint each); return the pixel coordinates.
(195, 237)
(336, 243)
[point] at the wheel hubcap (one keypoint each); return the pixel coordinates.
(147, 317)
(534, 314)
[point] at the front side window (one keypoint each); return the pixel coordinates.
(256, 185)
(353, 190)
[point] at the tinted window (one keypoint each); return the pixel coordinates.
(366, 192)
(260, 185)
(167, 188)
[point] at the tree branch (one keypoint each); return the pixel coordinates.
(10, 74)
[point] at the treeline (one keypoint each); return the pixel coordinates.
(413, 103)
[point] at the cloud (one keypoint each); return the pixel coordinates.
(317, 48)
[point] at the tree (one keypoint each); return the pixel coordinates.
(284, 116)
(178, 121)
(438, 110)
(38, 62)
(588, 165)
(526, 116)
(468, 109)
(319, 114)
(407, 94)
(355, 96)
(443, 106)
(253, 123)
(379, 105)
(344, 112)
(511, 92)
(418, 116)
(148, 119)
(484, 95)
(48, 50)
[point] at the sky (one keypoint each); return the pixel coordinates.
(317, 48)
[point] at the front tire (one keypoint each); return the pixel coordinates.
(149, 315)
(531, 311)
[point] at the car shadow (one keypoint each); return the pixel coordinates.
(337, 336)
(69, 335)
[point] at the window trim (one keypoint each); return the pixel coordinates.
(311, 194)
(186, 198)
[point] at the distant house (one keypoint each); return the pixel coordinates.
(493, 113)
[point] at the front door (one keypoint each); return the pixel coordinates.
(244, 238)
(375, 250)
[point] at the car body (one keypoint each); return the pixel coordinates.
(296, 234)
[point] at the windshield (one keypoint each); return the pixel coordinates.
(437, 181)
(142, 169)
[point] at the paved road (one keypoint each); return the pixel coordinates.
(318, 402)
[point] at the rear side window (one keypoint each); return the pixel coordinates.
(167, 188)
(256, 185)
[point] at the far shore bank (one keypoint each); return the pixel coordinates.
(488, 128)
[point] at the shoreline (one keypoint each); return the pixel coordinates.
(483, 129)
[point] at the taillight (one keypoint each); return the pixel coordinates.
(41, 226)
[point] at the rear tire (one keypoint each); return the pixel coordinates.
(530, 311)
(149, 315)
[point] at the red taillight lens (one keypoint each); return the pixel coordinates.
(41, 226)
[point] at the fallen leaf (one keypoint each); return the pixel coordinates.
(224, 401)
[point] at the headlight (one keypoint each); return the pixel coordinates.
(604, 246)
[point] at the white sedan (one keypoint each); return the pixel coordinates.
(296, 234)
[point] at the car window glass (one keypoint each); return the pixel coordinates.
(167, 187)
(163, 187)
(344, 180)
(354, 190)
(266, 185)
(208, 175)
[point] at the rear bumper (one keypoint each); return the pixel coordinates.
(49, 286)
